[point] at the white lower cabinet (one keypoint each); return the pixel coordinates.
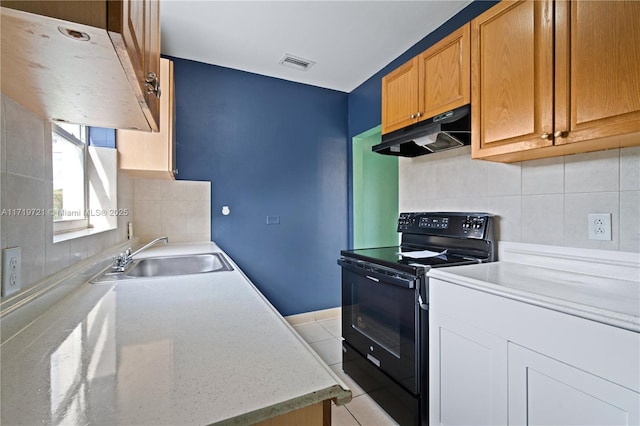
(469, 382)
(495, 361)
(543, 391)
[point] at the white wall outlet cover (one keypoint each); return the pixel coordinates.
(600, 226)
(11, 270)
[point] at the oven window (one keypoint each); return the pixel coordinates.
(383, 313)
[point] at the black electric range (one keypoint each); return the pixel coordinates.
(385, 305)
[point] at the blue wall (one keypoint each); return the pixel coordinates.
(270, 148)
(105, 138)
(365, 102)
(280, 149)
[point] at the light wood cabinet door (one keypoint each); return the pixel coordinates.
(555, 78)
(445, 74)
(512, 78)
(152, 155)
(136, 35)
(436, 81)
(597, 72)
(143, 19)
(400, 97)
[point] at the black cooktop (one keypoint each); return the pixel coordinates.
(456, 238)
(391, 257)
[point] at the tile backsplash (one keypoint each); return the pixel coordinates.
(540, 201)
(178, 209)
(26, 182)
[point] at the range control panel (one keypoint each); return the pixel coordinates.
(462, 225)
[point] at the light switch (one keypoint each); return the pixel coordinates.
(273, 220)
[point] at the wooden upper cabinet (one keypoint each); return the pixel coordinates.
(445, 74)
(87, 62)
(431, 83)
(139, 39)
(152, 155)
(400, 97)
(597, 69)
(547, 75)
(512, 77)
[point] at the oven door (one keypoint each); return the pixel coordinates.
(380, 317)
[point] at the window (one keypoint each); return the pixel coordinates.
(85, 181)
(69, 163)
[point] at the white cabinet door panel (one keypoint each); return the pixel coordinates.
(544, 391)
(468, 374)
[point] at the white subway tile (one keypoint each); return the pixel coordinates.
(630, 169)
(199, 237)
(147, 189)
(543, 219)
(504, 179)
(3, 135)
(474, 177)
(630, 221)
(147, 217)
(592, 172)
(577, 208)
(25, 141)
(174, 220)
(508, 222)
(545, 176)
(177, 190)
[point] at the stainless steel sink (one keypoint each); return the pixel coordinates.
(178, 265)
(166, 266)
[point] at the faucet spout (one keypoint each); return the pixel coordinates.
(163, 240)
(121, 261)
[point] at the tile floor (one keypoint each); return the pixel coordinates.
(324, 337)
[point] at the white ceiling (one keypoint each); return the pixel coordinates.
(349, 40)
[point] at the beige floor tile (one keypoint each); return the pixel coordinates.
(368, 413)
(330, 350)
(312, 332)
(303, 318)
(340, 416)
(333, 326)
(355, 389)
(324, 336)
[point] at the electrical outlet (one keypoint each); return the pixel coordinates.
(600, 226)
(11, 270)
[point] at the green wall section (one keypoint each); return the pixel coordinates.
(375, 193)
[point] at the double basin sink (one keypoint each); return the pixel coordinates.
(167, 266)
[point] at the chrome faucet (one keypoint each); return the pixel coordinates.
(121, 261)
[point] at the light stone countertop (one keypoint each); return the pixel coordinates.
(198, 349)
(595, 296)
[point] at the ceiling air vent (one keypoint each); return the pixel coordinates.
(296, 62)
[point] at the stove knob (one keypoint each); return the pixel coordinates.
(371, 348)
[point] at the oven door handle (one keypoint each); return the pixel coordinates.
(379, 278)
(421, 304)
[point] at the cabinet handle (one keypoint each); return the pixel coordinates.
(545, 136)
(413, 116)
(560, 134)
(419, 114)
(152, 83)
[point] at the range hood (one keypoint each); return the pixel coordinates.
(451, 129)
